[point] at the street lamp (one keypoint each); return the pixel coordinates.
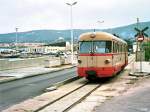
(71, 29)
(100, 22)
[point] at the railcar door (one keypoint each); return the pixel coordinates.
(85, 54)
(102, 53)
(91, 59)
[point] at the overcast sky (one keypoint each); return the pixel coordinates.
(55, 14)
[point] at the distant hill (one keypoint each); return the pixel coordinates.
(47, 36)
(128, 32)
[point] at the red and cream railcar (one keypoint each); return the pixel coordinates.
(101, 55)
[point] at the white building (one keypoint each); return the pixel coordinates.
(48, 48)
(134, 47)
(146, 39)
(54, 49)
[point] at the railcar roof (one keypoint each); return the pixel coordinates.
(99, 36)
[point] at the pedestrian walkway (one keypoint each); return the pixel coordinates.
(135, 100)
(140, 68)
(145, 67)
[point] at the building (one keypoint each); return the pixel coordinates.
(49, 48)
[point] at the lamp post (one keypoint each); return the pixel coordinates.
(71, 28)
(16, 37)
(100, 22)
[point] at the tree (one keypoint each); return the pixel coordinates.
(146, 46)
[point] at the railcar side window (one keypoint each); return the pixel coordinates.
(117, 47)
(114, 47)
(108, 46)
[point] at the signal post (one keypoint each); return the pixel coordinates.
(139, 39)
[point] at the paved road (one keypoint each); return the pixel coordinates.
(17, 91)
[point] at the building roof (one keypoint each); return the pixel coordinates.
(59, 44)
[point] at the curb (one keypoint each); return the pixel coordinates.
(66, 81)
(59, 84)
(139, 74)
(34, 75)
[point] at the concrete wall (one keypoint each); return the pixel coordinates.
(6, 64)
(53, 61)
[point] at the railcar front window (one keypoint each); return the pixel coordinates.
(99, 47)
(102, 46)
(95, 47)
(85, 47)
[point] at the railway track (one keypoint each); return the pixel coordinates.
(64, 98)
(71, 99)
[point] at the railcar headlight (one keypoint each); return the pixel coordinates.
(107, 61)
(93, 35)
(79, 61)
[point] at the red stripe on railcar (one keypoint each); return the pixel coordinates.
(100, 71)
(98, 54)
(106, 54)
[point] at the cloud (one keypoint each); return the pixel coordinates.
(55, 14)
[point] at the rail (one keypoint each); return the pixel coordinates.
(74, 97)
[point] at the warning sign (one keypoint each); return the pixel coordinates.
(140, 38)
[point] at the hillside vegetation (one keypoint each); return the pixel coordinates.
(125, 32)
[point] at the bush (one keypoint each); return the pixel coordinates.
(147, 51)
